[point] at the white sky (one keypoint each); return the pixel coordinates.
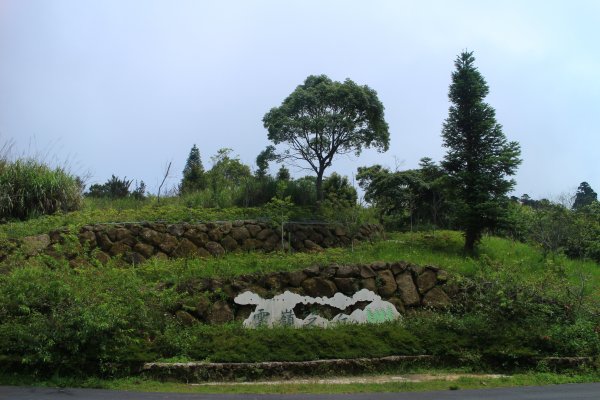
(123, 87)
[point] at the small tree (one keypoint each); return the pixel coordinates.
(280, 209)
(479, 158)
(193, 173)
(323, 118)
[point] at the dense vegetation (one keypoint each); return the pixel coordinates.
(530, 287)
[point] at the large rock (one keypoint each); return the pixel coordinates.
(197, 237)
(119, 235)
(348, 286)
(88, 239)
(168, 244)
(295, 278)
(319, 287)
(312, 246)
(32, 245)
(185, 249)
(369, 284)
(185, 318)
(144, 249)
(253, 229)
(426, 281)
(436, 298)
(220, 313)
(408, 291)
(229, 244)
(348, 271)
(151, 236)
(367, 272)
(215, 248)
(240, 234)
(386, 282)
(252, 244)
(215, 234)
(119, 249)
(264, 234)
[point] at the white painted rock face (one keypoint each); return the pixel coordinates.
(280, 309)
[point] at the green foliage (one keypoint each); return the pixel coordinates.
(193, 173)
(29, 189)
(324, 118)
(65, 321)
(479, 157)
(231, 343)
(117, 188)
(585, 196)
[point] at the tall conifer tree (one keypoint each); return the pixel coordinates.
(479, 158)
(193, 173)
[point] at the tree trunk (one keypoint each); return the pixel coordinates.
(470, 240)
(319, 184)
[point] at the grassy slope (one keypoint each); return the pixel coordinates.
(124, 285)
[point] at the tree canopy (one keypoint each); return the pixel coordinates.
(323, 118)
(479, 157)
(585, 196)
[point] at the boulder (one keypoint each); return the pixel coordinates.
(426, 281)
(348, 286)
(348, 271)
(215, 249)
(185, 249)
(312, 270)
(319, 287)
(229, 244)
(295, 278)
(220, 313)
(397, 302)
(367, 272)
(240, 234)
(176, 230)
(312, 246)
(102, 257)
(252, 244)
(215, 234)
(32, 245)
(87, 238)
(369, 284)
(151, 236)
(253, 229)
(103, 241)
(407, 289)
(436, 298)
(197, 237)
(119, 249)
(386, 283)
(398, 267)
(144, 249)
(168, 244)
(185, 318)
(379, 266)
(264, 234)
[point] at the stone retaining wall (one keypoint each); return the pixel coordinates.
(405, 285)
(136, 242)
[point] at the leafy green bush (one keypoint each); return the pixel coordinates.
(65, 321)
(29, 188)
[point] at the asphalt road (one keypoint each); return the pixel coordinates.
(585, 391)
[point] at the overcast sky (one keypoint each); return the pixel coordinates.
(123, 87)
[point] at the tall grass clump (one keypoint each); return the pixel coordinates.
(29, 188)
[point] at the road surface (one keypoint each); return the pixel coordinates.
(584, 391)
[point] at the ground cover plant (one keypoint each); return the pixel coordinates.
(104, 319)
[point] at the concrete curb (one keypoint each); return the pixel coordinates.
(204, 372)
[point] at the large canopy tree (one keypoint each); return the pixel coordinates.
(324, 118)
(479, 158)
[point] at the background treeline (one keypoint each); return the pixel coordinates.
(413, 199)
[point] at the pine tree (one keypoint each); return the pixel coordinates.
(479, 158)
(193, 174)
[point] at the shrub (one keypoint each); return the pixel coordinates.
(29, 188)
